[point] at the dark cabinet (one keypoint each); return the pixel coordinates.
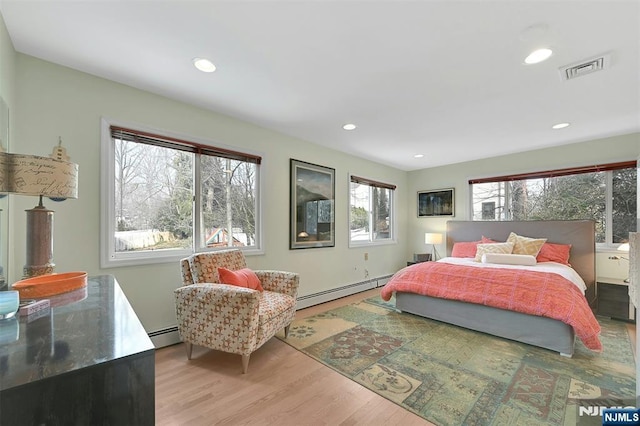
(613, 299)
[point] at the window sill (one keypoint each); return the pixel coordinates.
(357, 244)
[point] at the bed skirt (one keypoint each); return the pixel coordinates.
(534, 330)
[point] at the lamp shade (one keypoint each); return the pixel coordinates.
(432, 238)
(4, 172)
(34, 175)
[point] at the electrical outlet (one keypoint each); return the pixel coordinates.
(366, 256)
(366, 273)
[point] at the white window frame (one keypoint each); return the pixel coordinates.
(109, 258)
(392, 220)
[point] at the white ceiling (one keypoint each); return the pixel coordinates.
(441, 78)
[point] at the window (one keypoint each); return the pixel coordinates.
(370, 211)
(605, 193)
(166, 198)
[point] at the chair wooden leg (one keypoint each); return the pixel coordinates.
(286, 331)
(245, 363)
(189, 347)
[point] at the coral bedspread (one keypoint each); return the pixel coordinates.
(530, 292)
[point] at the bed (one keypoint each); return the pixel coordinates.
(542, 331)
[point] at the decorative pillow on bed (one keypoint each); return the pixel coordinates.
(525, 245)
(552, 252)
(468, 248)
(509, 259)
(504, 248)
(464, 249)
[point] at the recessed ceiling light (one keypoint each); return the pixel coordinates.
(349, 126)
(204, 65)
(560, 126)
(418, 156)
(538, 56)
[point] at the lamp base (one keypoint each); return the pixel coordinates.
(34, 271)
(39, 242)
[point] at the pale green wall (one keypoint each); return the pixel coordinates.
(7, 84)
(48, 101)
(56, 101)
(7, 65)
(600, 151)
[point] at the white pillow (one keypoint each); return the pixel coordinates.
(509, 259)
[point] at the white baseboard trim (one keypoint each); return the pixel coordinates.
(169, 336)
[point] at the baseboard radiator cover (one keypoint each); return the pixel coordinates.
(339, 292)
(165, 337)
(169, 336)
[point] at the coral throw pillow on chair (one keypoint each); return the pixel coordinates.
(244, 277)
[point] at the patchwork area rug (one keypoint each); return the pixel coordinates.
(453, 376)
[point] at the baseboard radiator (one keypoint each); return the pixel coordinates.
(169, 336)
(165, 337)
(337, 293)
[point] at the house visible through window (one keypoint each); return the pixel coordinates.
(171, 197)
(604, 193)
(370, 211)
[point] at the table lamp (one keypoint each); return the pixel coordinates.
(54, 177)
(433, 239)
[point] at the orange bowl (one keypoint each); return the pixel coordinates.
(50, 284)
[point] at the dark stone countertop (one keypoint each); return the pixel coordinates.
(82, 328)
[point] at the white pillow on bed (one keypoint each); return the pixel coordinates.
(509, 259)
(505, 248)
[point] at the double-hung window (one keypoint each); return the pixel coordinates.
(165, 198)
(605, 193)
(371, 210)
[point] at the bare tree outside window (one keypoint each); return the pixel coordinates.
(155, 186)
(228, 189)
(566, 197)
(371, 212)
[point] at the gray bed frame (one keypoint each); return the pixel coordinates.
(534, 330)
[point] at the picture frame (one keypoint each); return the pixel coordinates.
(312, 205)
(439, 202)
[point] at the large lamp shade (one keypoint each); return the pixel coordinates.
(432, 238)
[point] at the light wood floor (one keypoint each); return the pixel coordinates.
(283, 387)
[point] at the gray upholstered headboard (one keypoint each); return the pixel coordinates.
(579, 233)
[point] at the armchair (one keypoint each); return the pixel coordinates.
(227, 317)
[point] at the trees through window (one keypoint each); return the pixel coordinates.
(171, 196)
(606, 194)
(370, 211)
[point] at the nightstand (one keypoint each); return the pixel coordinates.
(411, 262)
(613, 299)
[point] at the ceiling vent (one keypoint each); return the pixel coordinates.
(585, 67)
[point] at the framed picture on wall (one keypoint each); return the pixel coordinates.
(439, 202)
(311, 206)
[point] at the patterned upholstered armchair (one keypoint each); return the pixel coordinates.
(227, 317)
